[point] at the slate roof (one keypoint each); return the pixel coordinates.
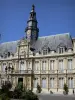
(8, 47)
(51, 42)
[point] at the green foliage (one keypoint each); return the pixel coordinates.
(20, 86)
(29, 95)
(65, 88)
(4, 92)
(17, 94)
(23, 93)
(51, 92)
(6, 87)
(4, 96)
(39, 88)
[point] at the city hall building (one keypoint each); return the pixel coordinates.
(48, 60)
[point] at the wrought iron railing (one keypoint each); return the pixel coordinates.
(64, 71)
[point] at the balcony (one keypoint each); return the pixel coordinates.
(71, 71)
(22, 72)
(61, 71)
(64, 71)
(44, 71)
(36, 71)
(52, 71)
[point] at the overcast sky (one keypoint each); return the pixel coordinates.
(53, 16)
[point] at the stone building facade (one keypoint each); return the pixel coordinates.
(47, 60)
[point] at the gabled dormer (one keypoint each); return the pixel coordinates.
(45, 50)
(61, 48)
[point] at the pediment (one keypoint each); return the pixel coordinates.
(22, 42)
(61, 45)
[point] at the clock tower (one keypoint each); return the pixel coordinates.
(31, 29)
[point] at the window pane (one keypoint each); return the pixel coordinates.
(43, 65)
(43, 83)
(35, 82)
(51, 82)
(61, 82)
(61, 65)
(52, 65)
(36, 65)
(69, 63)
(3, 67)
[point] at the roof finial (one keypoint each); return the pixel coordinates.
(33, 7)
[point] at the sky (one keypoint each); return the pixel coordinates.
(53, 16)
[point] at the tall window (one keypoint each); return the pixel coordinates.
(43, 65)
(22, 67)
(61, 49)
(51, 82)
(36, 65)
(52, 65)
(43, 82)
(61, 65)
(61, 82)
(70, 82)
(35, 82)
(3, 67)
(69, 64)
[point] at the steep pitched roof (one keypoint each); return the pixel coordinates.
(51, 41)
(8, 47)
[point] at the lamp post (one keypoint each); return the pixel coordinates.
(57, 80)
(66, 76)
(7, 70)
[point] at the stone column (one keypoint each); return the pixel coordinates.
(47, 81)
(16, 65)
(40, 71)
(73, 64)
(14, 82)
(65, 69)
(65, 65)
(73, 72)
(74, 82)
(0, 67)
(48, 74)
(57, 68)
(0, 73)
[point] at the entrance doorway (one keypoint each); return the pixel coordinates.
(20, 80)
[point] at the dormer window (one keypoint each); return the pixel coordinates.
(8, 54)
(61, 49)
(45, 51)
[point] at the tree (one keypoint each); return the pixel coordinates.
(39, 88)
(6, 87)
(5, 93)
(23, 93)
(17, 94)
(65, 88)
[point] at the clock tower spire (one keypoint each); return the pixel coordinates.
(31, 29)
